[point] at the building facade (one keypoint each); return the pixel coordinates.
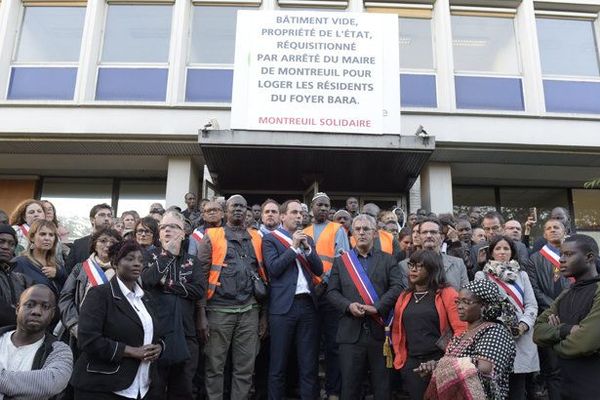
(129, 102)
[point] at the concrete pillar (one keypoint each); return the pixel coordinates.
(436, 188)
(182, 177)
(414, 196)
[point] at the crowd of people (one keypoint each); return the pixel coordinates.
(224, 300)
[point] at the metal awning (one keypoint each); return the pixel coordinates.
(272, 162)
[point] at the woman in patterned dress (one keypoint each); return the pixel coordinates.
(478, 363)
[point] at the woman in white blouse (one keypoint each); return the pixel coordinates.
(117, 334)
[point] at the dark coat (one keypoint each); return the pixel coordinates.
(108, 323)
(386, 278)
(80, 251)
(283, 273)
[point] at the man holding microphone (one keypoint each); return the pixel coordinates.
(293, 265)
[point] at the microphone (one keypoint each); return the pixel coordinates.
(303, 245)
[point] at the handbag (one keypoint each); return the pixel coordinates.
(259, 287)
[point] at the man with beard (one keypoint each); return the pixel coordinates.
(33, 363)
(270, 217)
(101, 216)
(330, 239)
(571, 324)
(229, 318)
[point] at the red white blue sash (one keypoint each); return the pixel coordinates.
(24, 229)
(198, 234)
(551, 254)
(512, 289)
(94, 273)
(286, 241)
(363, 284)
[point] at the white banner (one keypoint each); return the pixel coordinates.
(316, 71)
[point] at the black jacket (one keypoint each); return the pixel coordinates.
(541, 275)
(385, 275)
(12, 284)
(108, 323)
(80, 251)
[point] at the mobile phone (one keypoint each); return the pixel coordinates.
(533, 213)
(483, 249)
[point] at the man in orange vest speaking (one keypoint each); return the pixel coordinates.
(231, 257)
(330, 239)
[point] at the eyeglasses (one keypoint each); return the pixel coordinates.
(170, 226)
(143, 232)
(465, 302)
(424, 233)
(212, 210)
(415, 266)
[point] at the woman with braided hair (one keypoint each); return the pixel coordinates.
(477, 364)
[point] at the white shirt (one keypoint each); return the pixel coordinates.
(301, 283)
(13, 358)
(141, 383)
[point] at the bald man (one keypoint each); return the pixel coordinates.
(33, 363)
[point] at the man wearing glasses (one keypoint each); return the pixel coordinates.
(361, 334)
(174, 279)
(430, 234)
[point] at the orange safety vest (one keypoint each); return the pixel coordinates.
(326, 244)
(386, 240)
(218, 244)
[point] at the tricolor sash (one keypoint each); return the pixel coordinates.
(551, 254)
(198, 234)
(369, 296)
(94, 273)
(24, 229)
(286, 241)
(512, 289)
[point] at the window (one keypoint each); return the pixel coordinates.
(569, 86)
(465, 197)
(586, 203)
(47, 54)
(212, 50)
(516, 204)
(135, 53)
(417, 78)
(486, 63)
(139, 195)
(73, 200)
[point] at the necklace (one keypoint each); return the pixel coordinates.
(421, 294)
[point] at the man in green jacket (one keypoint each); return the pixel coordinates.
(571, 325)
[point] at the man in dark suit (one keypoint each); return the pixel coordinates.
(101, 216)
(361, 332)
(292, 262)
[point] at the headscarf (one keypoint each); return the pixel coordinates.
(493, 307)
(505, 271)
(487, 292)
